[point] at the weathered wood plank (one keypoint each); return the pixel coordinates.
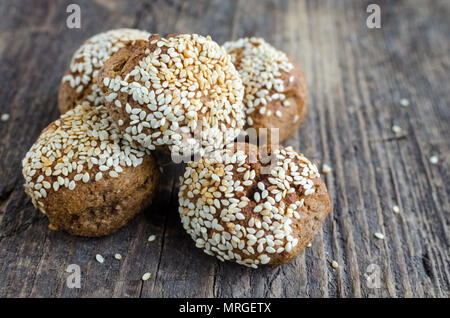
(356, 78)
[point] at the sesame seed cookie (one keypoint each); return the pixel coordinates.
(275, 89)
(84, 177)
(252, 206)
(179, 94)
(79, 84)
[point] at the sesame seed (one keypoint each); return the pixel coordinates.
(146, 276)
(379, 235)
(5, 117)
(434, 160)
(118, 256)
(404, 102)
(113, 174)
(396, 129)
(334, 264)
(99, 258)
(396, 209)
(86, 177)
(151, 238)
(98, 176)
(326, 168)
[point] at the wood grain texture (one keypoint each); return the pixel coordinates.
(356, 77)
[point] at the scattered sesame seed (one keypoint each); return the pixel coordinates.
(334, 264)
(326, 168)
(118, 256)
(5, 117)
(146, 276)
(396, 209)
(404, 102)
(396, 129)
(434, 160)
(151, 238)
(99, 258)
(379, 235)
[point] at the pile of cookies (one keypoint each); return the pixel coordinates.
(128, 94)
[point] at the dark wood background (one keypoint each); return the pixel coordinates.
(356, 78)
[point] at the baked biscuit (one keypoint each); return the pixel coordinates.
(179, 94)
(275, 89)
(253, 207)
(79, 84)
(84, 177)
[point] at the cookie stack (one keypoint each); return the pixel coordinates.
(128, 94)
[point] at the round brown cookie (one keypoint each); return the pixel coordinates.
(180, 94)
(253, 205)
(84, 177)
(275, 89)
(79, 84)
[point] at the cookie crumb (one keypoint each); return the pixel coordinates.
(99, 258)
(118, 256)
(396, 209)
(5, 117)
(379, 235)
(146, 276)
(404, 102)
(334, 264)
(151, 238)
(326, 168)
(434, 160)
(396, 129)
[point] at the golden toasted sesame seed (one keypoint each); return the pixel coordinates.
(326, 168)
(396, 209)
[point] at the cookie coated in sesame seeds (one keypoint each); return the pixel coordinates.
(85, 177)
(179, 94)
(239, 206)
(275, 89)
(79, 84)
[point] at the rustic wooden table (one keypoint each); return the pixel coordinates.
(357, 78)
